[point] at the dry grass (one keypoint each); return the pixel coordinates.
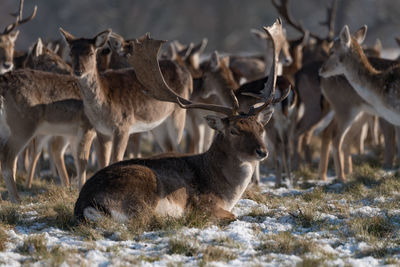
(286, 243)
(214, 253)
(35, 246)
(371, 228)
(3, 239)
(9, 214)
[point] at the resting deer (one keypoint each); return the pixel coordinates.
(168, 185)
(8, 38)
(120, 102)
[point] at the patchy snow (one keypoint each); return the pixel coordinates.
(256, 224)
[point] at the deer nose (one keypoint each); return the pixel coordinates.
(287, 61)
(78, 73)
(7, 65)
(261, 153)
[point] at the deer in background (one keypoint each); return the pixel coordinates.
(377, 88)
(351, 113)
(170, 185)
(8, 38)
(251, 68)
(116, 102)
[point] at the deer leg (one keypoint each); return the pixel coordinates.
(325, 147)
(278, 169)
(103, 147)
(388, 131)
(58, 145)
(255, 179)
(133, 147)
(81, 153)
(343, 127)
(120, 141)
(35, 148)
(397, 130)
(9, 156)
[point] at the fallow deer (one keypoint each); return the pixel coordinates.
(120, 102)
(8, 38)
(377, 88)
(251, 68)
(168, 185)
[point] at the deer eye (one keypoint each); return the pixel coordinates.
(234, 132)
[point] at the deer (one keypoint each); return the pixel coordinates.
(308, 86)
(8, 38)
(170, 185)
(250, 68)
(376, 87)
(216, 87)
(120, 102)
(349, 110)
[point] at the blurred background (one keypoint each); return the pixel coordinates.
(226, 23)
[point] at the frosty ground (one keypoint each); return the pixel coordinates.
(318, 223)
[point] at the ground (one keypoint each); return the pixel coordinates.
(319, 223)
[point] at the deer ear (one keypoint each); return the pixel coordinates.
(13, 36)
(265, 115)
(199, 48)
(214, 63)
(360, 34)
(67, 36)
(345, 38)
(225, 60)
(215, 122)
(115, 42)
(170, 53)
(378, 45)
(101, 38)
(259, 34)
(38, 48)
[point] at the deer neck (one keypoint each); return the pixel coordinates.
(91, 88)
(230, 174)
(363, 77)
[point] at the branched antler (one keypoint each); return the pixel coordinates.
(330, 20)
(19, 19)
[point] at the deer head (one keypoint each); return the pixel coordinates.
(343, 52)
(83, 51)
(8, 38)
(41, 58)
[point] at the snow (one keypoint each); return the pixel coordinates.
(256, 223)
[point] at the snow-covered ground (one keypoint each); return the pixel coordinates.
(322, 225)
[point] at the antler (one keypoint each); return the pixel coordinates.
(19, 20)
(148, 72)
(283, 10)
(330, 20)
(275, 33)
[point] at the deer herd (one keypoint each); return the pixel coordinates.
(228, 113)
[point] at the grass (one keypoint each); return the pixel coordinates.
(182, 247)
(213, 253)
(286, 243)
(34, 245)
(9, 214)
(3, 239)
(367, 228)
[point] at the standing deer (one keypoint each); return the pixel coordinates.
(168, 185)
(8, 38)
(378, 88)
(120, 102)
